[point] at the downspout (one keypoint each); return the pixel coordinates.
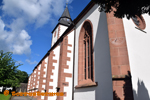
(73, 62)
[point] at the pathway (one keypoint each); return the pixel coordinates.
(22, 98)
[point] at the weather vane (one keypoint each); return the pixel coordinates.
(66, 3)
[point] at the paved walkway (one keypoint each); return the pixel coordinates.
(22, 98)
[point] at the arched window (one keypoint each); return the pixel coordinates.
(85, 55)
(139, 22)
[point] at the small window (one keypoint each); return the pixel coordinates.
(65, 19)
(139, 22)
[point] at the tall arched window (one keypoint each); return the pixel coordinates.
(85, 55)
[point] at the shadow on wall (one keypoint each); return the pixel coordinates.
(115, 96)
(102, 60)
(142, 92)
(127, 88)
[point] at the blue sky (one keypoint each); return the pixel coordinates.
(26, 26)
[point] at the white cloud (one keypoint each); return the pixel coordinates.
(17, 41)
(22, 14)
(19, 62)
(22, 45)
(34, 11)
(34, 62)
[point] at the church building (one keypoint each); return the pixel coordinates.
(96, 56)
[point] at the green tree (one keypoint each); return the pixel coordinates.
(128, 8)
(22, 76)
(8, 70)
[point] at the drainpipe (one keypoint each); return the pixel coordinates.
(73, 62)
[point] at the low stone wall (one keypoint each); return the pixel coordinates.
(22, 88)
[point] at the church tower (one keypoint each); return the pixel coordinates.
(64, 22)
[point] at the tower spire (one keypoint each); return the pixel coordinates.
(65, 18)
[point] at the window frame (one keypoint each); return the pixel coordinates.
(88, 81)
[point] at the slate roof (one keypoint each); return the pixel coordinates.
(65, 18)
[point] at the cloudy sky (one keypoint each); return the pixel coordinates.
(26, 26)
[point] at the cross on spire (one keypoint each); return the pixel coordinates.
(66, 3)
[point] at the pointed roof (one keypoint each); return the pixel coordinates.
(65, 18)
(66, 13)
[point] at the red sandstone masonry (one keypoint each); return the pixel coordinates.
(54, 33)
(49, 72)
(42, 72)
(36, 80)
(119, 58)
(63, 65)
(28, 84)
(31, 81)
(81, 54)
(58, 32)
(37, 75)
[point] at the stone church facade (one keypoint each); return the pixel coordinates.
(95, 57)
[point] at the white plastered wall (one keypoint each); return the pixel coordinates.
(44, 75)
(62, 30)
(54, 38)
(101, 59)
(138, 44)
(55, 73)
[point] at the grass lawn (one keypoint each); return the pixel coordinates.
(3, 97)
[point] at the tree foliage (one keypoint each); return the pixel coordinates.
(22, 76)
(128, 8)
(9, 74)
